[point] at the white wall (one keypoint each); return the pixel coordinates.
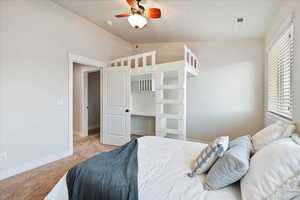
(35, 39)
(286, 9)
(227, 97)
(142, 106)
(141, 102)
(94, 100)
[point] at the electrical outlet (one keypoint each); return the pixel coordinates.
(3, 156)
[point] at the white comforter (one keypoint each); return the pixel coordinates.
(163, 165)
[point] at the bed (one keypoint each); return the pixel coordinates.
(162, 167)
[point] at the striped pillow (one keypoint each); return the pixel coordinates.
(209, 155)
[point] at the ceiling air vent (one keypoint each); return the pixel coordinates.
(240, 20)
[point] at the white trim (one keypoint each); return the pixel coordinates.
(278, 117)
(101, 106)
(84, 103)
(32, 165)
(84, 100)
(85, 61)
(282, 29)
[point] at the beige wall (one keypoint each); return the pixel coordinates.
(165, 52)
(227, 97)
(287, 8)
(35, 39)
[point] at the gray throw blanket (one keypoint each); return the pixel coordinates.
(107, 176)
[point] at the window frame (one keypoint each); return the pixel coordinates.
(284, 29)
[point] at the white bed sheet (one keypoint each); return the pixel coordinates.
(163, 165)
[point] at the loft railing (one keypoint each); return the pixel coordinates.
(144, 61)
(136, 61)
(191, 60)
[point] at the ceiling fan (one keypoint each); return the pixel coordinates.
(138, 15)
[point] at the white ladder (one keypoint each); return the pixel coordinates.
(178, 105)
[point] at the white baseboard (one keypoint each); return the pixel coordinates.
(6, 173)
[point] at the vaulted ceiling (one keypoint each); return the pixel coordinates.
(182, 20)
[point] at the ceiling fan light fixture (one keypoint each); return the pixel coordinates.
(137, 21)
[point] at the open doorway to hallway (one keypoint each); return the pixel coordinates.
(93, 96)
(86, 100)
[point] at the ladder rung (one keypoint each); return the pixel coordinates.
(171, 116)
(171, 102)
(174, 131)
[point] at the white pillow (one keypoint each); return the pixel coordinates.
(272, 133)
(274, 172)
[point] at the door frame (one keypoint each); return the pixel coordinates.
(73, 58)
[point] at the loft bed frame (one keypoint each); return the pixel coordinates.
(146, 63)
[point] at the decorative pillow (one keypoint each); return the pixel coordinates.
(209, 155)
(274, 172)
(272, 133)
(232, 166)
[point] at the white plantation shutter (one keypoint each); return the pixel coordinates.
(280, 75)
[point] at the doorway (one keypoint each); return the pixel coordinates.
(86, 100)
(78, 120)
(93, 100)
(114, 102)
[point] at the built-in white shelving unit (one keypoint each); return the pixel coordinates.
(158, 93)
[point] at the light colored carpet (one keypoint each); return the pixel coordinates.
(37, 183)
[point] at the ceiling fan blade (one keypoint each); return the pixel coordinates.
(153, 13)
(122, 15)
(132, 3)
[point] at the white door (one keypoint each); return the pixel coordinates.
(116, 113)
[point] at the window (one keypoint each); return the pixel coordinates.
(280, 75)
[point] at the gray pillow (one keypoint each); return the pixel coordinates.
(232, 166)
